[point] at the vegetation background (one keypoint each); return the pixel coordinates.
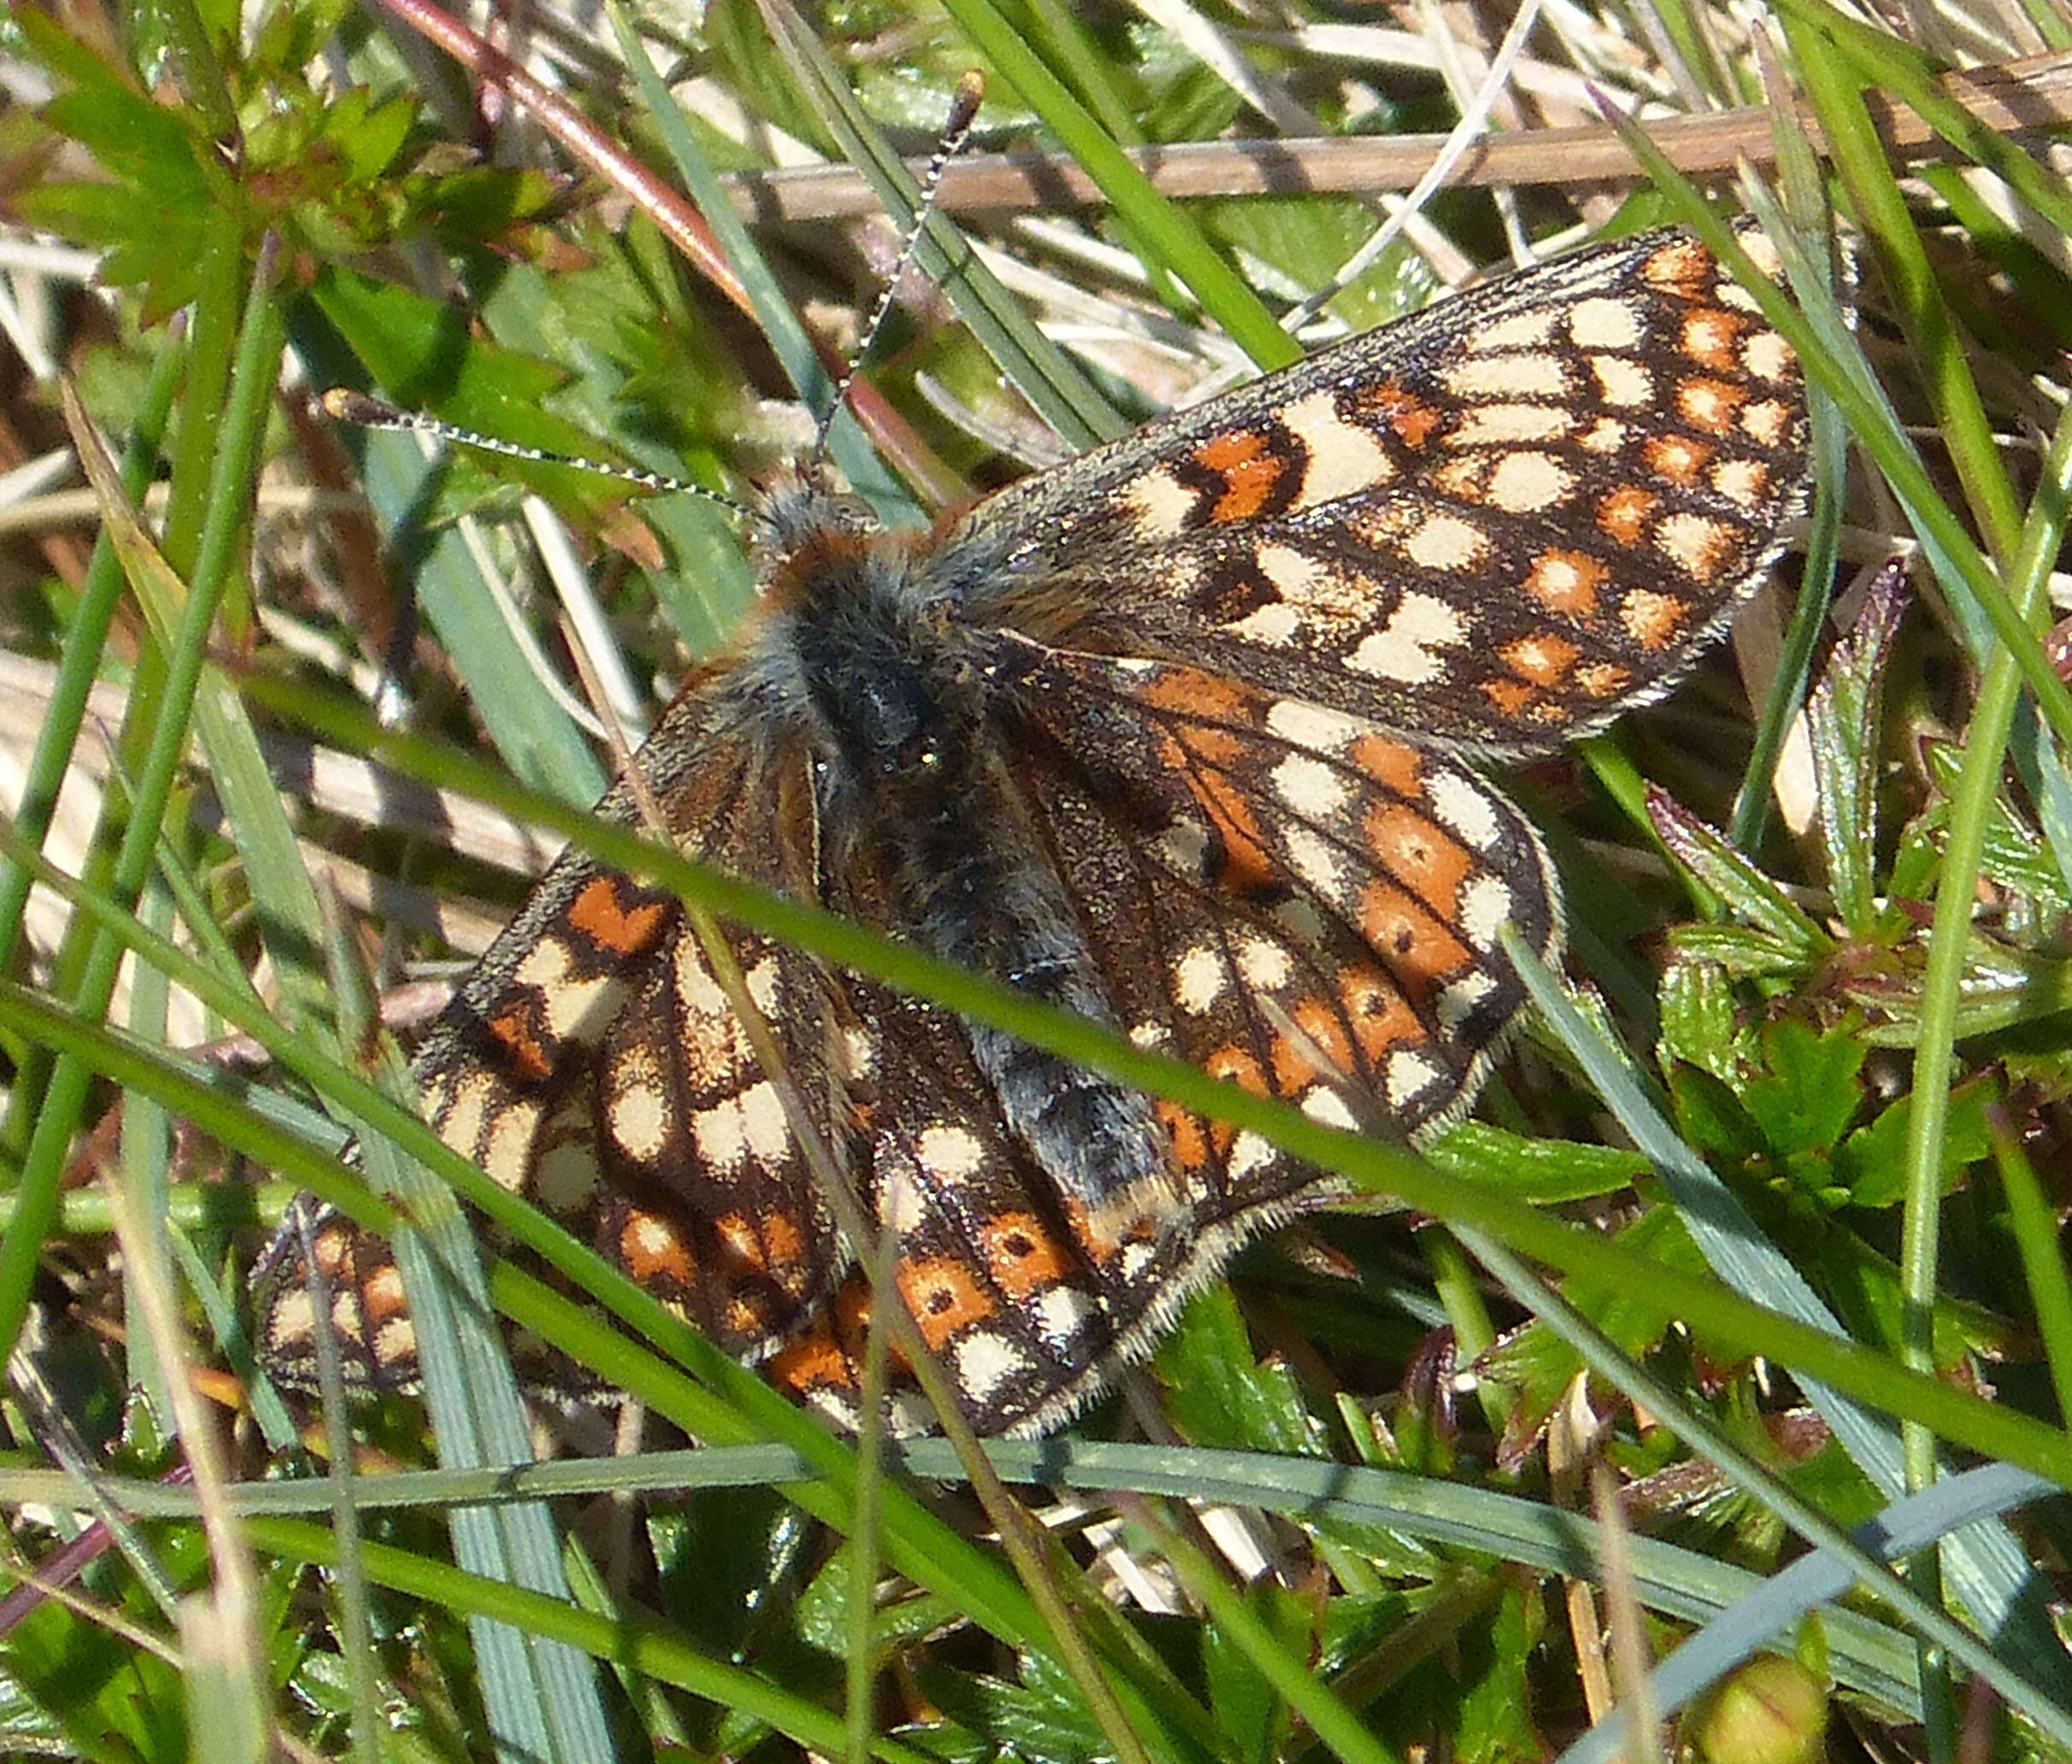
(1760, 1230)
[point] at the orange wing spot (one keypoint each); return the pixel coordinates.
(784, 1253)
(1201, 701)
(1624, 513)
(747, 1316)
(1394, 403)
(1235, 1065)
(1394, 765)
(815, 1361)
(600, 911)
(1710, 334)
(531, 1055)
(1654, 621)
(1676, 457)
(944, 1296)
(381, 1296)
(1250, 472)
(333, 1254)
(1417, 852)
(1415, 947)
(1511, 697)
(1381, 1017)
(1602, 679)
(1711, 405)
(1544, 659)
(1683, 267)
(742, 1242)
(1566, 582)
(650, 1250)
(1189, 1135)
(1319, 1049)
(1023, 1255)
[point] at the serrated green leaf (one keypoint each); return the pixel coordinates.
(1740, 950)
(1871, 1162)
(1744, 891)
(1701, 1023)
(1545, 1171)
(1219, 1393)
(1809, 1093)
(1843, 721)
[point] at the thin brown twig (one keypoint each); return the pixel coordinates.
(2015, 97)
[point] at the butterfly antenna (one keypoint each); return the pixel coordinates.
(347, 406)
(962, 112)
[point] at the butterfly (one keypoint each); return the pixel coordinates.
(1186, 735)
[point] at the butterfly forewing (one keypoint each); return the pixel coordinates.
(1498, 524)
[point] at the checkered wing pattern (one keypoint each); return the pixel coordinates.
(1289, 897)
(1498, 524)
(591, 1063)
(1176, 736)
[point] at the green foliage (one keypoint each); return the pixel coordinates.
(1784, 985)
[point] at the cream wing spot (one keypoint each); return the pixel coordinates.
(1446, 543)
(1309, 786)
(1265, 967)
(1061, 1313)
(1510, 425)
(1486, 907)
(1406, 648)
(1343, 459)
(1459, 1002)
(1323, 1105)
(1249, 1154)
(1316, 861)
(637, 1106)
(565, 1179)
(507, 1151)
(1524, 482)
(950, 1154)
(1198, 977)
(1409, 1074)
(901, 1206)
(1536, 374)
(1313, 726)
(1622, 383)
(1604, 323)
(985, 1361)
(1765, 355)
(1464, 809)
(1161, 505)
(750, 1127)
(1276, 624)
(1522, 330)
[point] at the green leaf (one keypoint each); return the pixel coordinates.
(1843, 718)
(1743, 890)
(1871, 1162)
(1219, 1393)
(1810, 1094)
(1701, 1025)
(1545, 1171)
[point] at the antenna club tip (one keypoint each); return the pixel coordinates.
(969, 94)
(347, 406)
